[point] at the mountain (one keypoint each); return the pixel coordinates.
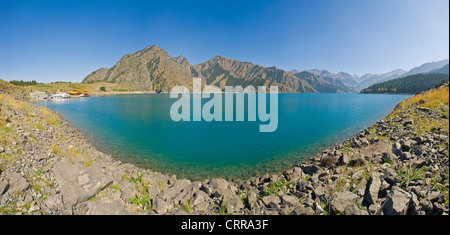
(152, 69)
(346, 78)
(368, 79)
(408, 85)
(358, 82)
(324, 84)
(221, 71)
(427, 67)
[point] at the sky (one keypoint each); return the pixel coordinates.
(67, 40)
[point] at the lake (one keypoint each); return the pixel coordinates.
(138, 129)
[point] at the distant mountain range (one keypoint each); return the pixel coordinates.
(359, 82)
(410, 84)
(152, 69)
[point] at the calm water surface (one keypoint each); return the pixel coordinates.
(138, 129)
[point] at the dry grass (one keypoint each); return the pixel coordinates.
(11, 102)
(437, 100)
(430, 99)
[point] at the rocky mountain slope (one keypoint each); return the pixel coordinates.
(152, 69)
(221, 72)
(399, 165)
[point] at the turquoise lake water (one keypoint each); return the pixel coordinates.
(138, 129)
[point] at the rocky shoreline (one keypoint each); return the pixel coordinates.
(399, 165)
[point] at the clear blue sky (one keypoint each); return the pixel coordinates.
(67, 40)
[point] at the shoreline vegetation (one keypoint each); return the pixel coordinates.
(399, 165)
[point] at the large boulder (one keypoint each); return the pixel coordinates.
(17, 183)
(160, 206)
(372, 189)
(271, 201)
(3, 187)
(171, 193)
(99, 208)
(397, 202)
(218, 183)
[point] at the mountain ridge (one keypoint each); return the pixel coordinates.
(153, 69)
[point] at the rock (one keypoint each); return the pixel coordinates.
(344, 159)
(234, 203)
(198, 198)
(55, 204)
(383, 188)
(303, 185)
(417, 164)
(397, 202)
(318, 192)
(358, 160)
(252, 198)
(319, 209)
(354, 210)
(201, 207)
(309, 169)
(339, 203)
(17, 183)
(408, 122)
(99, 208)
(329, 160)
(294, 174)
(436, 197)
(169, 194)
(390, 176)
(271, 201)
(207, 189)
(301, 210)
(388, 157)
(372, 189)
(78, 183)
(153, 190)
(364, 142)
(160, 206)
(218, 183)
(222, 193)
(373, 209)
(127, 193)
(290, 200)
(438, 208)
(3, 187)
